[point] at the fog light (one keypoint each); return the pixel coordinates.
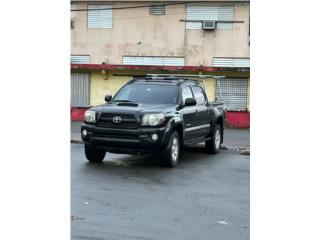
(154, 137)
(84, 132)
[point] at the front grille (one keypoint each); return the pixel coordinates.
(128, 121)
(116, 136)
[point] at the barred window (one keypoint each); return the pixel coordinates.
(233, 92)
(157, 10)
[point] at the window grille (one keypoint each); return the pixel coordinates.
(157, 61)
(157, 10)
(231, 62)
(80, 59)
(99, 16)
(233, 92)
(210, 13)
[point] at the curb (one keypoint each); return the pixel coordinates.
(76, 141)
(243, 151)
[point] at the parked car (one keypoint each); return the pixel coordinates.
(154, 115)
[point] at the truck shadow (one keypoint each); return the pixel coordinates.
(192, 155)
(148, 169)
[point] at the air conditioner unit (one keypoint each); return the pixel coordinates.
(209, 25)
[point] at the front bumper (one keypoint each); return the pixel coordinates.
(131, 141)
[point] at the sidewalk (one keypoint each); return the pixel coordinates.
(233, 137)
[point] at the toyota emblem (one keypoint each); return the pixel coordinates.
(117, 119)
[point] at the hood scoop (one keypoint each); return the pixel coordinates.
(127, 104)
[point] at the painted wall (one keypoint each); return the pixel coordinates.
(102, 85)
(107, 84)
(238, 119)
(137, 33)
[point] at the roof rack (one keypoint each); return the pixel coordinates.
(184, 76)
(200, 77)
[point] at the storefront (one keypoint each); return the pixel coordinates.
(91, 82)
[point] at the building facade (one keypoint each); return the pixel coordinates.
(111, 41)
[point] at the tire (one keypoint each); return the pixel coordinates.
(172, 152)
(213, 145)
(94, 155)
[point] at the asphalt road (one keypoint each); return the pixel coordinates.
(134, 197)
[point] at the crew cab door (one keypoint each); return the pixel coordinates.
(202, 112)
(189, 114)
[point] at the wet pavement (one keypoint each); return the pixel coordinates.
(135, 197)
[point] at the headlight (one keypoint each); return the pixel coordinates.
(90, 116)
(152, 119)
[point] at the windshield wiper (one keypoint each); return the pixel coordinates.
(122, 100)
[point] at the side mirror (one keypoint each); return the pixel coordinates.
(190, 102)
(108, 98)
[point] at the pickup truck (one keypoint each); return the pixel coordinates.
(154, 116)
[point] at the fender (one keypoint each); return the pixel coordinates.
(218, 116)
(176, 120)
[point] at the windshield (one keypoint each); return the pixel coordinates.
(148, 93)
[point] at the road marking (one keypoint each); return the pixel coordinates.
(223, 222)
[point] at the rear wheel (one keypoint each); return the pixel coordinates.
(213, 145)
(172, 152)
(94, 155)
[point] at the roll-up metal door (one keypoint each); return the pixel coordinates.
(208, 13)
(80, 89)
(233, 92)
(100, 16)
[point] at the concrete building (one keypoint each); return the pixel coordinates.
(111, 41)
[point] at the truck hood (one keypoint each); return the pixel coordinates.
(135, 108)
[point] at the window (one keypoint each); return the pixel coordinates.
(186, 93)
(99, 16)
(157, 10)
(80, 59)
(231, 62)
(210, 13)
(233, 92)
(199, 95)
(158, 61)
(148, 93)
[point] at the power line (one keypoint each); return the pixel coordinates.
(141, 6)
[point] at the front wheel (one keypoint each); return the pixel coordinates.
(94, 155)
(213, 145)
(172, 152)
